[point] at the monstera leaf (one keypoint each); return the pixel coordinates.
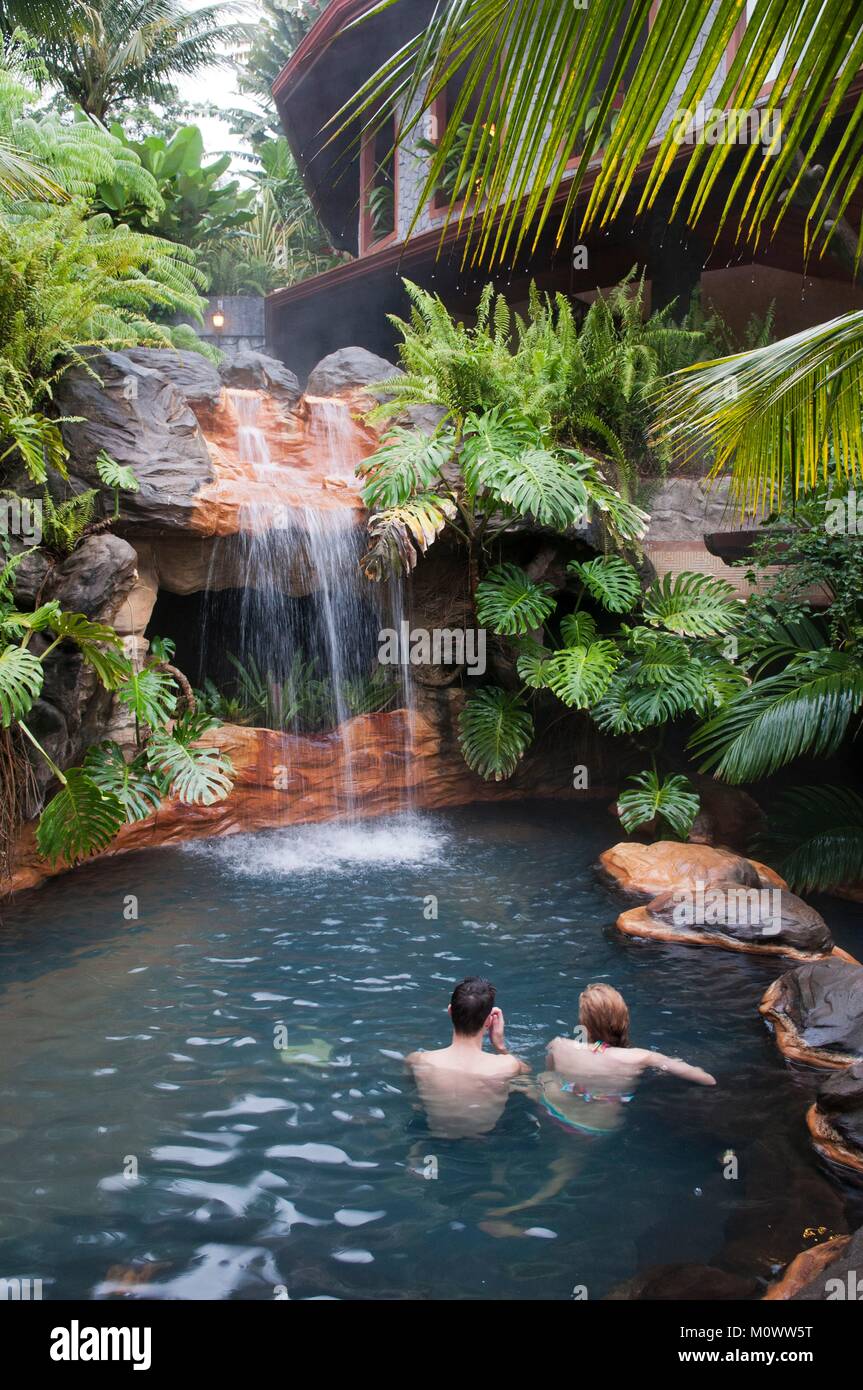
(578, 630)
(407, 462)
(100, 646)
(674, 801)
(79, 820)
(510, 603)
(197, 776)
(610, 580)
(495, 728)
(580, 676)
(400, 534)
(21, 678)
(150, 695)
(132, 783)
(695, 605)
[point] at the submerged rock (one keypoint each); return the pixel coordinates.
(817, 1012)
(646, 871)
(733, 916)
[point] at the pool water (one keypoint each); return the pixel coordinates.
(209, 1101)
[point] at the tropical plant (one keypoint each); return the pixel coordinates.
(197, 205)
(522, 112)
(124, 52)
(64, 524)
(631, 680)
(672, 803)
(814, 837)
(116, 476)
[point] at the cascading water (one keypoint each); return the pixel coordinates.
(304, 626)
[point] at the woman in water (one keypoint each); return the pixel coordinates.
(590, 1079)
(587, 1084)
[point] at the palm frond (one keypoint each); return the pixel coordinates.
(814, 837)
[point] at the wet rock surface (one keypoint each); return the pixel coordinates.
(251, 370)
(346, 370)
(752, 916)
(646, 871)
(840, 1101)
(821, 1007)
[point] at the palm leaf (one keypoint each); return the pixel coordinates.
(805, 709)
(695, 605)
(786, 414)
(116, 475)
(610, 580)
(21, 676)
(495, 728)
(814, 837)
(79, 820)
(131, 783)
(673, 800)
(529, 82)
(510, 603)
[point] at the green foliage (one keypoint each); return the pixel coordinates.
(406, 462)
(695, 605)
(198, 206)
(579, 676)
(100, 646)
(510, 603)
(131, 783)
(197, 776)
(805, 709)
(672, 802)
(64, 523)
(495, 728)
(150, 695)
(814, 837)
(610, 580)
(20, 683)
(116, 476)
(80, 820)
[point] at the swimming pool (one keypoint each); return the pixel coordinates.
(208, 1101)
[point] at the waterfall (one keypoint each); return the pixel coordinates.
(302, 620)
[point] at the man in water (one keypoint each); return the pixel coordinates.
(464, 1089)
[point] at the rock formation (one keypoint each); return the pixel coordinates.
(646, 871)
(817, 1013)
(836, 1119)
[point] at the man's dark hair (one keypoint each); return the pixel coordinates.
(472, 1002)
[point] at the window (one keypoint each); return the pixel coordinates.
(378, 182)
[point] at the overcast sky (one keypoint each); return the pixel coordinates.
(219, 87)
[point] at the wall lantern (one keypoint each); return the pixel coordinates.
(219, 317)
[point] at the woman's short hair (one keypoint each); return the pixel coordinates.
(603, 1012)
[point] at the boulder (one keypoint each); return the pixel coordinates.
(195, 376)
(256, 371)
(817, 1012)
(646, 871)
(764, 921)
(95, 578)
(133, 409)
(348, 369)
(836, 1119)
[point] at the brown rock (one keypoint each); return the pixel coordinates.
(817, 1012)
(806, 1267)
(646, 871)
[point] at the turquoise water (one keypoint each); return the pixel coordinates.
(147, 1047)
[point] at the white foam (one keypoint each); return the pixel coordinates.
(334, 848)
